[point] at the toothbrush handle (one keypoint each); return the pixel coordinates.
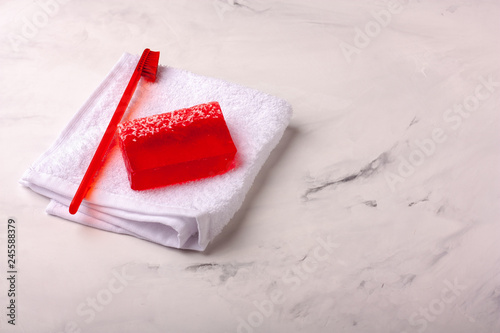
(106, 140)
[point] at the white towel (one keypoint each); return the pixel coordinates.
(186, 216)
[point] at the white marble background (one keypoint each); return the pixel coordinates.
(378, 211)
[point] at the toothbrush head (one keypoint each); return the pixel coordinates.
(150, 65)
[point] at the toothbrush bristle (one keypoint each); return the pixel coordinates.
(151, 66)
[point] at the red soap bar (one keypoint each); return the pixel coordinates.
(176, 147)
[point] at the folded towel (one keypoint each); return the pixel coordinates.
(186, 216)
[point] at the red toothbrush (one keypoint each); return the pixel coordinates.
(147, 67)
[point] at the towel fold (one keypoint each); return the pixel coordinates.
(186, 216)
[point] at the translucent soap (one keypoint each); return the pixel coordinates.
(176, 147)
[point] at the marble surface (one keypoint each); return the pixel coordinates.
(377, 212)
